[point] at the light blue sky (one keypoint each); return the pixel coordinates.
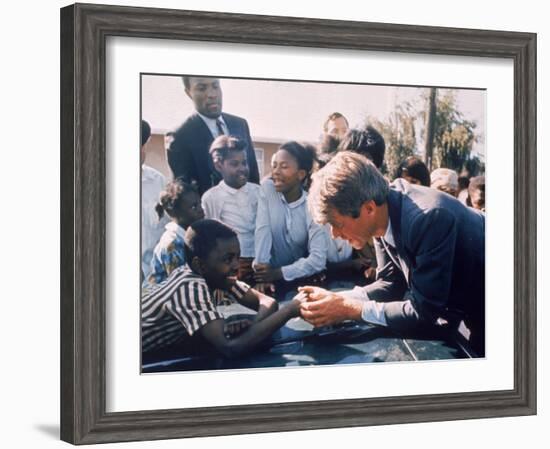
(293, 110)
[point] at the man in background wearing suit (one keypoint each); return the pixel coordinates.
(188, 154)
(430, 250)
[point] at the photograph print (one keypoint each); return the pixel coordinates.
(304, 223)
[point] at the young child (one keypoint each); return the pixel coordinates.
(289, 245)
(234, 201)
(152, 183)
(181, 313)
(181, 202)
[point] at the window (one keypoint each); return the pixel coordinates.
(260, 159)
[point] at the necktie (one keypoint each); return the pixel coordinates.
(219, 127)
(398, 261)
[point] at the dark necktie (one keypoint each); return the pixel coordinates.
(390, 249)
(219, 127)
(394, 256)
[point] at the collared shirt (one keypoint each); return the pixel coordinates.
(169, 253)
(372, 311)
(152, 183)
(286, 236)
(236, 208)
(180, 306)
(388, 236)
(211, 123)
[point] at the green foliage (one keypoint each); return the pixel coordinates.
(399, 135)
(454, 135)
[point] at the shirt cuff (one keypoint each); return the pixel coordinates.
(372, 311)
(356, 293)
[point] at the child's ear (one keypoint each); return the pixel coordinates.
(302, 174)
(218, 166)
(197, 265)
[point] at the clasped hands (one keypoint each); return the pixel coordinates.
(321, 307)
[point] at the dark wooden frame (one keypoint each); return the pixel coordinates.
(84, 29)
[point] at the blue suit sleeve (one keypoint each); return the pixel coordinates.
(390, 283)
(431, 240)
(254, 174)
(180, 159)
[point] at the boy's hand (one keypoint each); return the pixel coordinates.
(231, 281)
(234, 328)
(296, 303)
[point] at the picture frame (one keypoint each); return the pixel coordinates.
(84, 28)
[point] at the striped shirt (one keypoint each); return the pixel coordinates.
(182, 300)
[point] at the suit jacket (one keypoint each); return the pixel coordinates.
(188, 154)
(437, 268)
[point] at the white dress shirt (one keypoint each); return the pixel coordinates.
(236, 208)
(286, 236)
(211, 123)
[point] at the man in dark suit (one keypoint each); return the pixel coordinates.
(430, 250)
(188, 154)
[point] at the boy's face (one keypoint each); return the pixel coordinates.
(234, 169)
(221, 266)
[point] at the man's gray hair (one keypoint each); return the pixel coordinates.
(347, 182)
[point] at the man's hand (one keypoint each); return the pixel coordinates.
(323, 307)
(265, 273)
(265, 287)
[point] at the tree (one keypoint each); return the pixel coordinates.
(454, 136)
(430, 128)
(399, 135)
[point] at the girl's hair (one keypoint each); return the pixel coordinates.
(305, 155)
(223, 145)
(415, 168)
(368, 142)
(170, 197)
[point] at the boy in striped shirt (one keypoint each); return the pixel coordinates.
(180, 315)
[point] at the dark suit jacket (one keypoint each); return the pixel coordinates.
(438, 266)
(188, 155)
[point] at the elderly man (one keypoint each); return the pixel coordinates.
(446, 180)
(188, 154)
(430, 250)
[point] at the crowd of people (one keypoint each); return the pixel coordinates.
(411, 253)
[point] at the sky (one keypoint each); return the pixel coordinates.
(289, 110)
